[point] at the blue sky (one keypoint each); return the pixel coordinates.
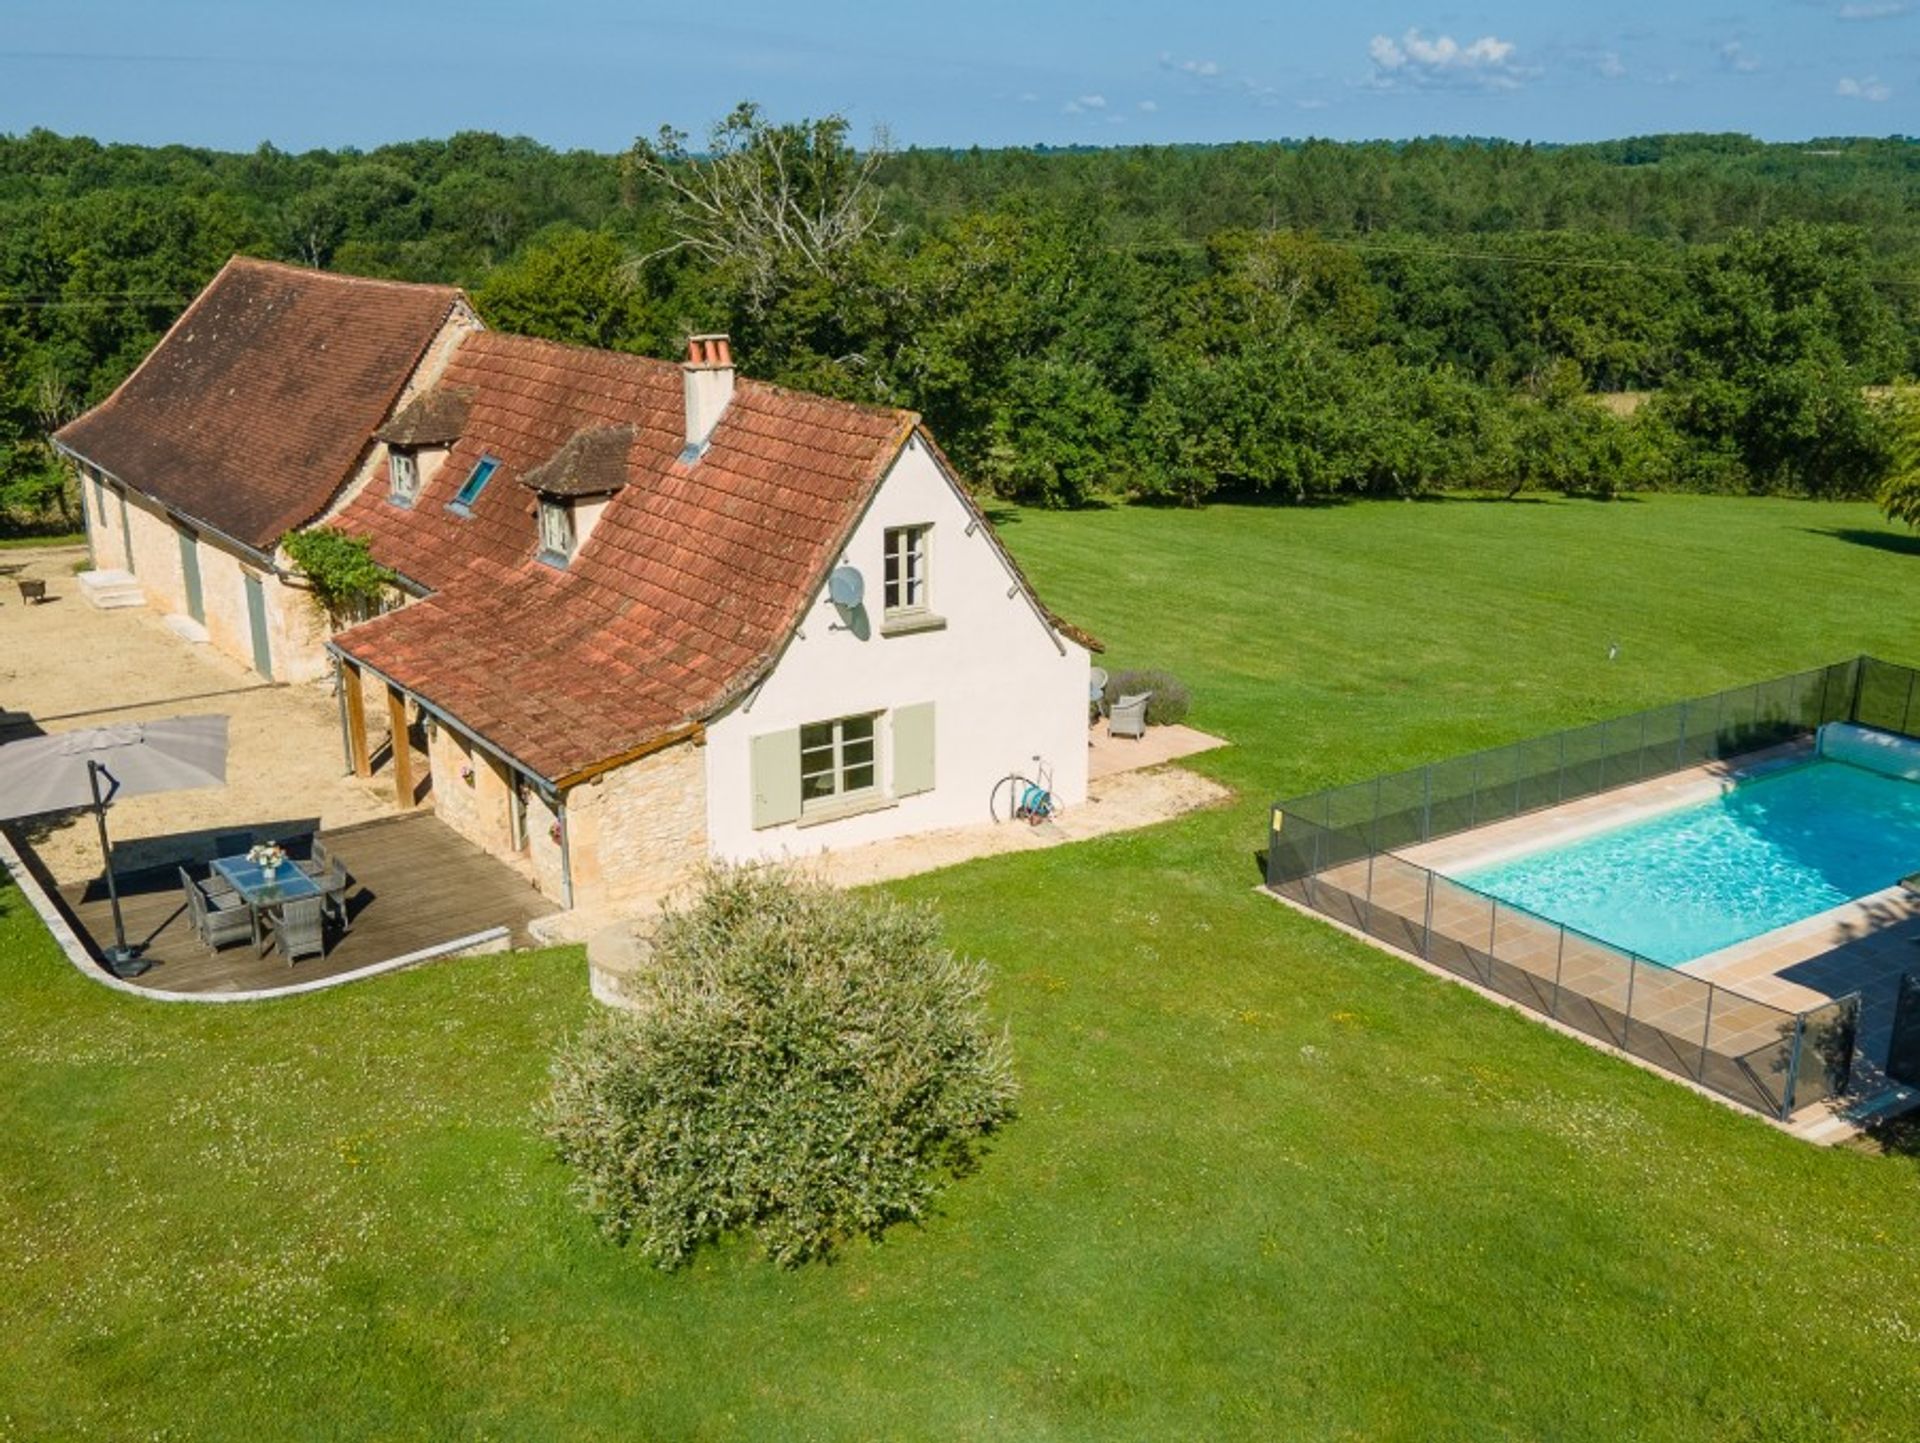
(991, 72)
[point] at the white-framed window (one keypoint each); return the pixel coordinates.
(403, 471)
(556, 530)
(837, 760)
(905, 572)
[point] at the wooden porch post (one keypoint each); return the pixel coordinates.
(402, 751)
(350, 687)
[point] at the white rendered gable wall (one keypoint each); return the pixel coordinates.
(1005, 687)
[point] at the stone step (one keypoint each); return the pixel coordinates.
(186, 628)
(110, 589)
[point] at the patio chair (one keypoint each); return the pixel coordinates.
(32, 591)
(334, 888)
(1096, 692)
(217, 922)
(1128, 716)
(318, 857)
(298, 928)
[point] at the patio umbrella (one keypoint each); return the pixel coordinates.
(95, 767)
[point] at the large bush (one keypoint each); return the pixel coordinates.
(804, 1064)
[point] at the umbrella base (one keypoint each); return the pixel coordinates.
(125, 962)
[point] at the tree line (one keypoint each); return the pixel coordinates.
(1291, 321)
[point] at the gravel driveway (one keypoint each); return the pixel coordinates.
(65, 665)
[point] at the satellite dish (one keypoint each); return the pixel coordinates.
(846, 587)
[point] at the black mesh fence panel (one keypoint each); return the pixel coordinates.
(1337, 852)
(1885, 697)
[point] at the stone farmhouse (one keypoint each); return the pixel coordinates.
(648, 613)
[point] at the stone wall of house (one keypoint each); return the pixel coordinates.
(639, 830)
(479, 809)
(482, 810)
(543, 848)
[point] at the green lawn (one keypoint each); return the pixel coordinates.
(1267, 1182)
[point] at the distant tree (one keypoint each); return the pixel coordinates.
(1900, 495)
(1781, 329)
(764, 201)
(571, 285)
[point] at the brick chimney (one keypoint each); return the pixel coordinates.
(708, 379)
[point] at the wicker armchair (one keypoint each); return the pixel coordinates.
(334, 886)
(299, 928)
(218, 922)
(318, 861)
(1128, 717)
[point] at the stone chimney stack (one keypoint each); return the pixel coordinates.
(708, 378)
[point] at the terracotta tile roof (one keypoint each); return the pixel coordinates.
(592, 463)
(690, 583)
(254, 408)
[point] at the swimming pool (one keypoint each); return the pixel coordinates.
(1768, 852)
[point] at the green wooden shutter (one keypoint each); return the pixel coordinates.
(913, 749)
(775, 759)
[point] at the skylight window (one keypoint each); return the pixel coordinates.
(483, 470)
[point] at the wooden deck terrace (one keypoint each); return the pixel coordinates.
(417, 885)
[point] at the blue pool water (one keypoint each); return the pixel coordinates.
(1694, 880)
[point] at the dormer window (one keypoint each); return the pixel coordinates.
(418, 439)
(403, 471)
(573, 487)
(557, 537)
(476, 482)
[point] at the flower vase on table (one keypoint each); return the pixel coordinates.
(268, 857)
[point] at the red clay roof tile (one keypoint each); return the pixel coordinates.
(688, 586)
(229, 420)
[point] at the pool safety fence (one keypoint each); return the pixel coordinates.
(1336, 851)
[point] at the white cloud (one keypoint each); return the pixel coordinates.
(1311, 102)
(1870, 87)
(1871, 9)
(1148, 106)
(1413, 59)
(1027, 97)
(1091, 102)
(1737, 58)
(1610, 66)
(1203, 69)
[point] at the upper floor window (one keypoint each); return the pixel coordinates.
(905, 587)
(475, 483)
(403, 471)
(557, 536)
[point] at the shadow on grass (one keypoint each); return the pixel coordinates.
(1899, 1137)
(1001, 512)
(1901, 543)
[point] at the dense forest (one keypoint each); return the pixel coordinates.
(1283, 320)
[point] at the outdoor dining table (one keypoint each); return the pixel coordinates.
(260, 889)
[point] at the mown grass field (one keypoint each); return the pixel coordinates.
(1267, 1182)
